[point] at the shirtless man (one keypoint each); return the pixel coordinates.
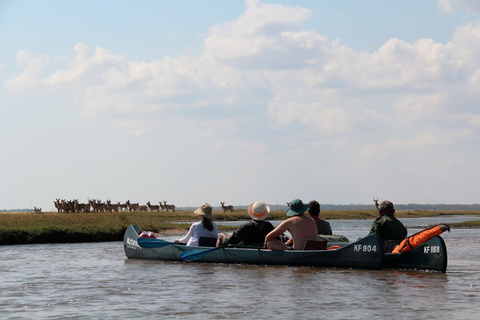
(301, 227)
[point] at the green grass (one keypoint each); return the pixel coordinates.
(29, 227)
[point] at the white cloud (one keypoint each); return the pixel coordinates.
(451, 6)
(263, 37)
(134, 127)
(264, 59)
(474, 121)
(235, 146)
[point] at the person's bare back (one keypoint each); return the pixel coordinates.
(302, 228)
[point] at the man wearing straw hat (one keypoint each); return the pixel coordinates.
(253, 232)
(300, 226)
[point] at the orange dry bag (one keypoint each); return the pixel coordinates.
(419, 238)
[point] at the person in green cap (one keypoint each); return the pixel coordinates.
(300, 226)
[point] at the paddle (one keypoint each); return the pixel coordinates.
(196, 253)
(153, 243)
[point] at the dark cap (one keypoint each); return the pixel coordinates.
(314, 208)
(386, 207)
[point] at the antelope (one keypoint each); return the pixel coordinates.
(122, 206)
(67, 206)
(226, 208)
(142, 208)
(168, 206)
(132, 206)
(37, 210)
(97, 206)
(111, 207)
(153, 207)
(288, 204)
(81, 207)
(161, 205)
(376, 202)
(58, 205)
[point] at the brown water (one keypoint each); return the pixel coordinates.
(95, 280)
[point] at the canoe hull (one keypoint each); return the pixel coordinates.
(367, 253)
(431, 255)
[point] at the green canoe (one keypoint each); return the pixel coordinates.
(430, 255)
(366, 253)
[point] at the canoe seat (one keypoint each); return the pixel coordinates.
(315, 245)
(389, 245)
(207, 242)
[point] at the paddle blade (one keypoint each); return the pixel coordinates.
(152, 243)
(195, 254)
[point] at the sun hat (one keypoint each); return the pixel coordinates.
(205, 211)
(258, 210)
(296, 207)
(386, 207)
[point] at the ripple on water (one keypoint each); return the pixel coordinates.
(82, 280)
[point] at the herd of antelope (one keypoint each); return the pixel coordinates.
(99, 206)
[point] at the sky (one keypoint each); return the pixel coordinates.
(239, 101)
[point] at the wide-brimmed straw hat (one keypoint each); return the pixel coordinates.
(296, 207)
(205, 211)
(258, 210)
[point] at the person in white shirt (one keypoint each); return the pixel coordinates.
(203, 228)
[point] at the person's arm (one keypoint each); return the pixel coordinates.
(236, 236)
(185, 239)
(375, 227)
(282, 227)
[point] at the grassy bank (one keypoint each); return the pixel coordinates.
(52, 227)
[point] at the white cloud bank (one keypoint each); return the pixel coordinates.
(405, 97)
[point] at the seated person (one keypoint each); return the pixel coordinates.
(300, 226)
(253, 232)
(323, 226)
(387, 226)
(203, 228)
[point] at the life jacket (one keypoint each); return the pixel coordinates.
(147, 234)
(333, 247)
(417, 239)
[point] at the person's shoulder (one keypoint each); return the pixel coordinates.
(246, 225)
(196, 223)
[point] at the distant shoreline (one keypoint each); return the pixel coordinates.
(53, 227)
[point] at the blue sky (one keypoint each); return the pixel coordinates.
(239, 101)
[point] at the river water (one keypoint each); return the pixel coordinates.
(96, 280)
